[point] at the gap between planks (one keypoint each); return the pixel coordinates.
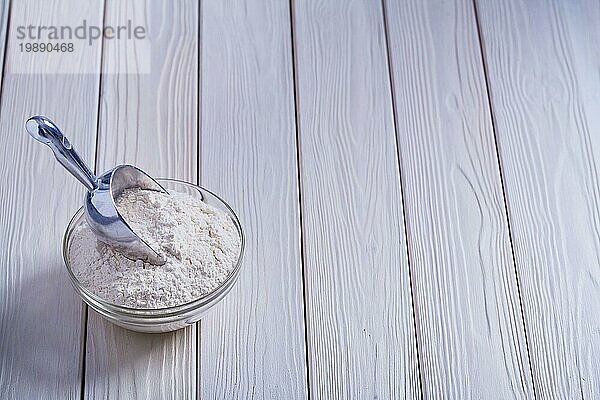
(503, 185)
(299, 189)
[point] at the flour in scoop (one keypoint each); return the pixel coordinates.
(200, 243)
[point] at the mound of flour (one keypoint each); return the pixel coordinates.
(200, 243)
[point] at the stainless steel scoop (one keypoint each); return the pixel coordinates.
(100, 210)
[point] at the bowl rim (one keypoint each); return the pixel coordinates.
(162, 312)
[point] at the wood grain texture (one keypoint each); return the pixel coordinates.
(40, 314)
(150, 120)
(542, 60)
(252, 345)
(472, 343)
(360, 321)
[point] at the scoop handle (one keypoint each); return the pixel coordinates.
(44, 130)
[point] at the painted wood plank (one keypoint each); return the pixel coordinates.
(40, 314)
(360, 321)
(472, 342)
(542, 63)
(150, 120)
(252, 345)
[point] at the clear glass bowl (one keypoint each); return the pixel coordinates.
(158, 319)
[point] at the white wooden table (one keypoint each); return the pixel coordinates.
(419, 182)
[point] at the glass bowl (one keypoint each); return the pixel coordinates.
(166, 319)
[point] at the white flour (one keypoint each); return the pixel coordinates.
(200, 243)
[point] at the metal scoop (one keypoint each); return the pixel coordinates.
(100, 211)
